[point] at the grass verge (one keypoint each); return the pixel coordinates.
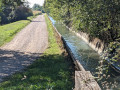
(51, 72)
(8, 31)
(37, 13)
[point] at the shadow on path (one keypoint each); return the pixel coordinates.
(49, 71)
(12, 61)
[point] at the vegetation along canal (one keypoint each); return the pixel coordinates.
(88, 58)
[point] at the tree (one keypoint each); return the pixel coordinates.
(37, 7)
(9, 10)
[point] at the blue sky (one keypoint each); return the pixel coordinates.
(32, 2)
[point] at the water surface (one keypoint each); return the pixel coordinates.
(85, 54)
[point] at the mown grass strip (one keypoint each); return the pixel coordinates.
(8, 31)
(50, 72)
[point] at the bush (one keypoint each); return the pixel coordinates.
(8, 15)
(3, 19)
(22, 13)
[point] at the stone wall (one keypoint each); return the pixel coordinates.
(95, 43)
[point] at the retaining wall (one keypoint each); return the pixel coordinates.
(83, 79)
(95, 43)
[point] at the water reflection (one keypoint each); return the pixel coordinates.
(88, 58)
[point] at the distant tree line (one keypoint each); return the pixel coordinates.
(37, 7)
(13, 10)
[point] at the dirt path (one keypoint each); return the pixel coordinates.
(27, 45)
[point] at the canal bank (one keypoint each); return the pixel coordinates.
(86, 56)
(83, 78)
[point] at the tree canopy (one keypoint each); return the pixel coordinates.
(9, 10)
(99, 18)
(37, 7)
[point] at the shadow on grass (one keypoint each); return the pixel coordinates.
(48, 72)
(12, 61)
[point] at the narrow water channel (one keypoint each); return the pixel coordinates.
(86, 55)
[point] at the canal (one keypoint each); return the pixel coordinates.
(87, 57)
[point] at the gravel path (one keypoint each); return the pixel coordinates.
(27, 46)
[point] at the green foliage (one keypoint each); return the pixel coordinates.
(112, 53)
(22, 13)
(35, 13)
(59, 9)
(9, 11)
(109, 58)
(37, 7)
(98, 18)
(8, 31)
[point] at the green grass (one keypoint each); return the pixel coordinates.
(51, 72)
(36, 12)
(8, 31)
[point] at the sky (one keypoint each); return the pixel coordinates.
(32, 2)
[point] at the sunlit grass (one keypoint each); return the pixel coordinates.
(50, 72)
(8, 31)
(37, 13)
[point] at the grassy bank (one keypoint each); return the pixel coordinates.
(51, 72)
(37, 13)
(8, 31)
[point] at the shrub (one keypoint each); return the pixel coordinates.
(3, 19)
(22, 13)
